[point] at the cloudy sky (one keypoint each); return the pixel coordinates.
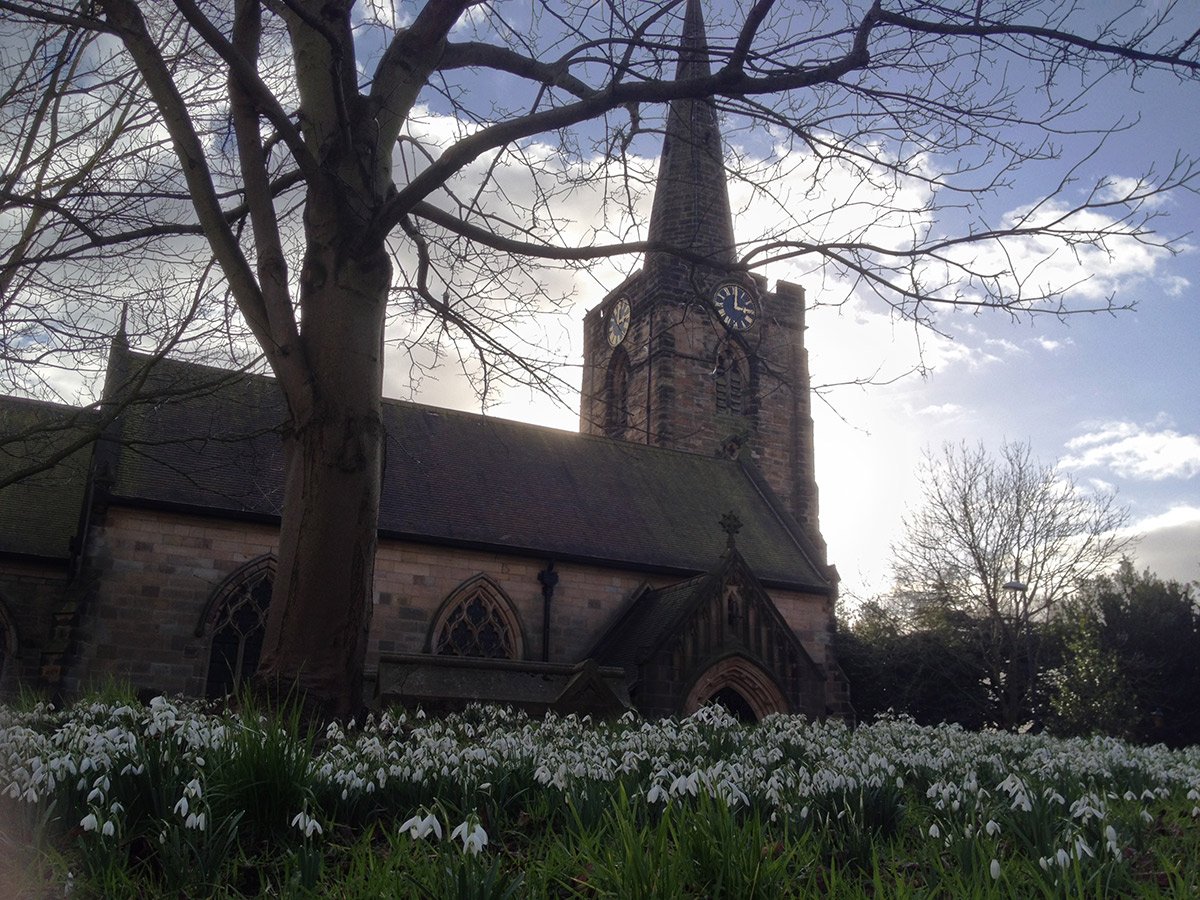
(1111, 397)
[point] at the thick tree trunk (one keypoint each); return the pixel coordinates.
(317, 628)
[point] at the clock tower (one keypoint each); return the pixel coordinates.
(691, 353)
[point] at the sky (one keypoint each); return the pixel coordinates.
(1111, 397)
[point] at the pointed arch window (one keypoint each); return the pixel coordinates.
(616, 395)
(729, 381)
(235, 620)
(477, 620)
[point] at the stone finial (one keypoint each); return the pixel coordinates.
(731, 525)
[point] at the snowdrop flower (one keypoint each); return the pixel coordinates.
(995, 869)
(181, 807)
(307, 824)
(472, 835)
(419, 827)
(89, 822)
(1063, 857)
(195, 820)
(934, 831)
(992, 828)
(107, 829)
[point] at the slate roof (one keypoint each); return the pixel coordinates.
(40, 514)
(457, 478)
(647, 621)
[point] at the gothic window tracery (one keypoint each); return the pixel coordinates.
(728, 383)
(236, 620)
(616, 390)
(478, 622)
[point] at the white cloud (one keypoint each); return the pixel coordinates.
(1170, 543)
(1144, 452)
(1173, 518)
(1050, 345)
(1003, 345)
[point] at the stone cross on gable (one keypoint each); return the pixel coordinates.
(731, 525)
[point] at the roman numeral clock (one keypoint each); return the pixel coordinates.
(618, 322)
(736, 305)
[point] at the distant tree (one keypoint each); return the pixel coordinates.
(927, 670)
(1088, 691)
(1152, 628)
(289, 179)
(1004, 540)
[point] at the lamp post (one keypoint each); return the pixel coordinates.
(1017, 586)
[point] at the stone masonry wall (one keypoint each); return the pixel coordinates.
(159, 570)
(29, 593)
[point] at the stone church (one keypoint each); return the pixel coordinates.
(666, 556)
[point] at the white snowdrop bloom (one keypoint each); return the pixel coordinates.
(195, 820)
(107, 829)
(1146, 817)
(992, 828)
(1044, 863)
(1062, 857)
(306, 823)
(181, 806)
(655, 794)
(1082, 849)
(473, 837)
(995, 869)
(89, 822)
(934, 831)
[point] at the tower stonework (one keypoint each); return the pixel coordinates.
(688, 371)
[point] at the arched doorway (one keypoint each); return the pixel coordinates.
(741, 686)
(736, 705)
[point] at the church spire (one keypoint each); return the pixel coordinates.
(691, 199)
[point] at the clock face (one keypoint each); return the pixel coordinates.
(618, 322)
(736, 306)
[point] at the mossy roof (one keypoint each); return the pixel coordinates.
(40, 514)
(458, 478)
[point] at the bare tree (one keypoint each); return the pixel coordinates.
(1006, 540)
(306, 180)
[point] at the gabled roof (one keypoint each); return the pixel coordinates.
(39, 515)
(690, 624)
(639, 630)
(457, 478)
